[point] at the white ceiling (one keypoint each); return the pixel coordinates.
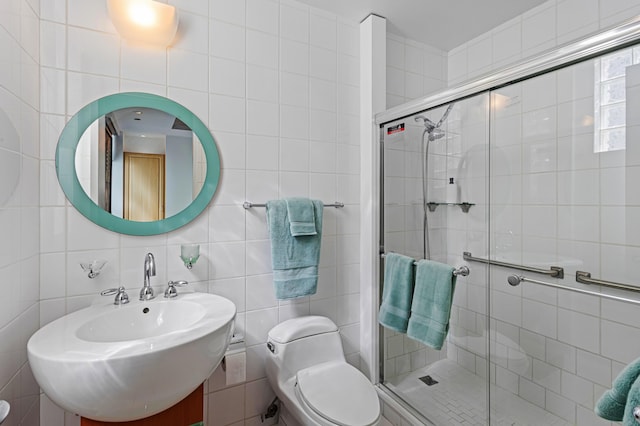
(146, 121)
(444, 24)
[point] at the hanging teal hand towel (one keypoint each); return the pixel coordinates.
(301, 214)
(396, 292)
(612, 403)
(294, 259)
(431, 305)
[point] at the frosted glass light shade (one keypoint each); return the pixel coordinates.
(145, 21)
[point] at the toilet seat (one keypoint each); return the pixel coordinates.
(339, 393)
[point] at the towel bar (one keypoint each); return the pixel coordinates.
(553, 271)
(515, 280)
(585, 278)
(462, 271)
(248, 205)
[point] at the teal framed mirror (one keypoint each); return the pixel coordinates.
(108, 118)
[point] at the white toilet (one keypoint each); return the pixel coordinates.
(308, 372)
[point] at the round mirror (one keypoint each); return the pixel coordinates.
(137, 163)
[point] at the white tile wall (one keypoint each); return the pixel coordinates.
(413, 70)
(20, 82)
(270, 79)
(544, 27)
(310, 59)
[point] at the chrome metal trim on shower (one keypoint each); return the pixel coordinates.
(248, 205)
(553, 271)
(585, 278)
(614, 38)
(515, 280)
(461, 271)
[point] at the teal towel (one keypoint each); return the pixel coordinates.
(301, 216)
(396, 293)
(431, 305)
(611, 405)
(294, 259)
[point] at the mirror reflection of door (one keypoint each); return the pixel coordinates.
(144, 186)
(100, 164)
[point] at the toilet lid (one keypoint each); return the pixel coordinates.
(340, 393)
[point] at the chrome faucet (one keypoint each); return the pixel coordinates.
(149, 271)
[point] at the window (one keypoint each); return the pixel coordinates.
(610, 97)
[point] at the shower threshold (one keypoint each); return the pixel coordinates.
(460, 398)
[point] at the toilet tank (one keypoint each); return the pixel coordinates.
(300, 343)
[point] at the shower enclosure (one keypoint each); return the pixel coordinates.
(546, 160)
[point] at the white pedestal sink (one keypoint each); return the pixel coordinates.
(121, 363)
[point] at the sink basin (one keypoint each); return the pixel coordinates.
(120, 363)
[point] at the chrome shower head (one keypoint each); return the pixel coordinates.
(428, 124)
(433, 129)
(435, 134)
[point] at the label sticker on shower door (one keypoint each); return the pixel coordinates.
(395, 129)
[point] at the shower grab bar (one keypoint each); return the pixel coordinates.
(462, 271)
(553, 271)
(248, 205)
(515, 280)
(585, 278)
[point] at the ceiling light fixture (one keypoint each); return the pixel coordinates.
(145, 21)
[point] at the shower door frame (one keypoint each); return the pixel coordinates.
(618, 37)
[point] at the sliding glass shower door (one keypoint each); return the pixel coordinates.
(564, 195)
(545, 175)
(422, 154)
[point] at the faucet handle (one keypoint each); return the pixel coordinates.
(171, 289)
(121, 296)
(146, 293)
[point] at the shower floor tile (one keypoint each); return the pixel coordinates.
(460, 398)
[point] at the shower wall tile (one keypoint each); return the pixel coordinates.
(480, 55)
(563, 182)
(413, 70)
(594, 368)
(544, 27)
(575, 14)
(575, 82)
(507, 41)
(560, 406)
(538, 26)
